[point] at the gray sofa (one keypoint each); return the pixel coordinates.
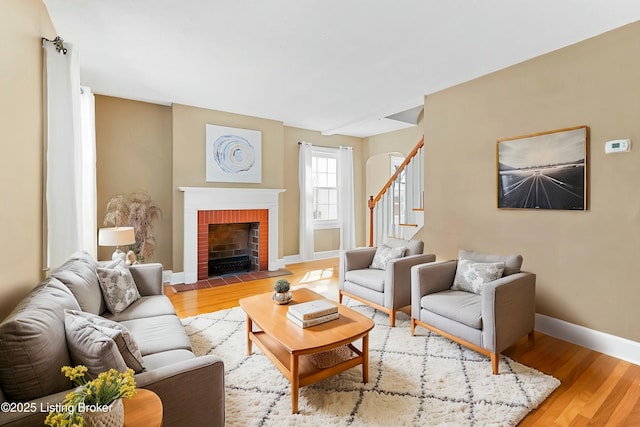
(33, 348)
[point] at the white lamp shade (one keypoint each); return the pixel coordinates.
(116, 236)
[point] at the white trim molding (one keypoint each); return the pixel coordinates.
(294, 259)
(177, 278)
(214, 198)
(611, 345)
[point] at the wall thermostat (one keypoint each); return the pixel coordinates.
(617, 146)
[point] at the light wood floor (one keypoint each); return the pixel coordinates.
(596, 390)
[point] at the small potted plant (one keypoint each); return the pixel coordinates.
(282, 294)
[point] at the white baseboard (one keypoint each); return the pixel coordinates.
(294, 259)
(177, 278)
(611, 345)
(326, 254)
(166, 276)
(280, 263)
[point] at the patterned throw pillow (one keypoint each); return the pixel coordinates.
(384, 254)
(108, 329)
(118, 288)
(472, 276)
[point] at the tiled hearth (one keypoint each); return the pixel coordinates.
(230, 279)
(202, 205)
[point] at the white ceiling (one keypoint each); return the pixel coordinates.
(335, 66)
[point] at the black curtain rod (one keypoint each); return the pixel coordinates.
(59, 42)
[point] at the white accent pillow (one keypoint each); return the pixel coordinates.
(471, 276)
(384, 254)
(118, 288)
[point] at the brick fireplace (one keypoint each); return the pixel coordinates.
(206, 218)
(210, 205)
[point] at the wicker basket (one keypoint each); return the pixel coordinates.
(329, 358)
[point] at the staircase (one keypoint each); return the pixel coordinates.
(398, 209)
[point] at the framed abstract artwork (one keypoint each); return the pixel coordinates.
(546, 170)
(233, 155)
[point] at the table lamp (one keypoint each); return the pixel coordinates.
(116, 236)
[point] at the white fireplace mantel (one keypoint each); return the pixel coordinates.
(213, 198)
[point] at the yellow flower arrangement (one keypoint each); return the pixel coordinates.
(98, 393)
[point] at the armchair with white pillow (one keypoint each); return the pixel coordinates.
(381, 276)
(484, 302)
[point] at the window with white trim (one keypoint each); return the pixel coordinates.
(324, 165)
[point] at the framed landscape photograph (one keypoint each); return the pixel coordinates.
(546, 170)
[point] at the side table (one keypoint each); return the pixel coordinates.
(144, 409)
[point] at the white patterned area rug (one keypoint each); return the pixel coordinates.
(425, 380)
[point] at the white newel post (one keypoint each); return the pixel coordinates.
(209, 198)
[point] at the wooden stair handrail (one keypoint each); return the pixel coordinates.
(374, 200)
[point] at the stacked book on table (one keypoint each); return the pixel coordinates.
(312, 313)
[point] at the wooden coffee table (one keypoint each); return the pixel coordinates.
(287, 345)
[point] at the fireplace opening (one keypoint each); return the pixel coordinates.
(233, 248)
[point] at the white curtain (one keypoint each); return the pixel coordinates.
(346, 196)
(306, 202)
(88, 224)
(70, 218)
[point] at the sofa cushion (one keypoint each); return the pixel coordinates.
(32, 343)
(158, 334)
(384, 254)
(149, 306)
(369, 278)
(78, 273)
(121, 337)
(462, 307)
(472, 276)
(158, 360)
(118, 288)
(512, 263)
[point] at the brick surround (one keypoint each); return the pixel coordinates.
(231, 216)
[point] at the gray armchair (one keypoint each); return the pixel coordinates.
(487, 320)
(387, 289)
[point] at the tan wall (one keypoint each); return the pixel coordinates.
(133, 153)
(325, 240)
(189, 161)
(402, 140)
(378, 171)
(584, 260)
(23, 23)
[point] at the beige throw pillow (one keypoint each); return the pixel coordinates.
(472, 276)
(118, 288)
